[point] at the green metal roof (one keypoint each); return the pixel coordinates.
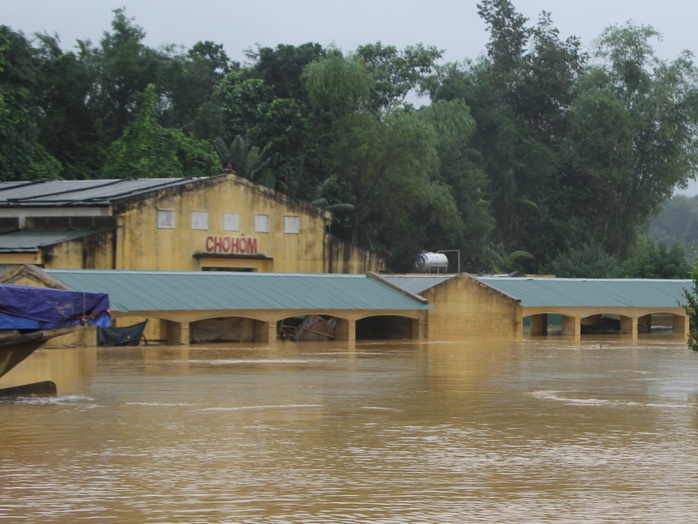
(579, 292)
(173, 291)
(416, 283)
(30, 240)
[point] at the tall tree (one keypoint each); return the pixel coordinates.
(387, 163)
(22, 157)
(148, 150)
(397, 73)
(69, 130)
(633, 137)
(191, 89)
(123, 66)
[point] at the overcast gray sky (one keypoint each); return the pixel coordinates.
(450, 25)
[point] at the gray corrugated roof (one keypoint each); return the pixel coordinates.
(564, 292)
(170, 291)
(85, 192)
(30, 240)
(416, 283)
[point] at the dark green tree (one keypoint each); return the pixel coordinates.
(397, 73)
(691, 308)
(69, 130)
(123, 67)
(656, 260)
(191, 89)
(148, 150)
(590, 260)
(22, 157)
(632, 138)
(461, 176)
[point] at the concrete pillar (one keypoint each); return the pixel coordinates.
(345, 329)
(265, 331)
(628, 325)
(177, 333)
(572, 326)
(518, 327)
(420, 329)
(644, 324)
(680, 324)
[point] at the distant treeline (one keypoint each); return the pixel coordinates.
(539, 156)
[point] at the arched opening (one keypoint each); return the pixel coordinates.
(659, 323)
(385, 327)
(607, 324)
(542, 324)
(309, 327)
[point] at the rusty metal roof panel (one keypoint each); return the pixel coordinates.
(579, 292)
(171, 291)
(80, 192)
(416, 283)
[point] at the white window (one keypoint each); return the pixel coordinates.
(199, 220)
(261, 223)
(166, 219)
(292, 225)
(231, 221)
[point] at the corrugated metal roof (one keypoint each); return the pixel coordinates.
(30, 240)
(86, 192)
(171, 291)
(563, 292)
(416, 283)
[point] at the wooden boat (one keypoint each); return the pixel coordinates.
(31, 316)
(16, 346)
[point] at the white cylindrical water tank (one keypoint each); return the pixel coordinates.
(431, 262)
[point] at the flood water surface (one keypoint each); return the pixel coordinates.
(549, 430)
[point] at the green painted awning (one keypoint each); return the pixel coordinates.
(173, 291)
(580, 292)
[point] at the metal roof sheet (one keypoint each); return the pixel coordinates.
(85, 192)
(171, 291)
(416, 283)
(574, 292)
(30, 240)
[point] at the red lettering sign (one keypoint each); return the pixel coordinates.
(240, 244)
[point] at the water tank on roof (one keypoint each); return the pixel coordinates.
(431, 262)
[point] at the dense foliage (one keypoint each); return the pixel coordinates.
(538, 156)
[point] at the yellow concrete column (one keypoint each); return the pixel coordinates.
(351, 330)
(572, 326)
(177, 333)
(271, 331)
(420, 328)
(628, 325)
(680, 324)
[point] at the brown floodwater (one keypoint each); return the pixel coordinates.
(532, 431)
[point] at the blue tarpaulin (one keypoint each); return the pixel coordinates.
(29, 307)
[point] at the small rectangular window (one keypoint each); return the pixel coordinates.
(292, 225)
(261, 223)
(166, 219)
(199, 220)
(231, 221)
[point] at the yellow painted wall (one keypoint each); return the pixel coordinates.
(464, 306)
(94, 251)
(143, 245)
(20, 258)
(344, 257)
